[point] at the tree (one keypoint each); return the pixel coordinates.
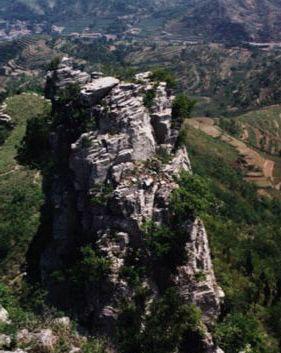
(192, 198)
(182, 108)
(34, 149)
(164, 75)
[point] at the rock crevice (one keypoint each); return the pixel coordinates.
(117, 182)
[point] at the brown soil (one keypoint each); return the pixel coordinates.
(257, 168)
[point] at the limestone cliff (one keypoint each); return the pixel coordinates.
(110, 179)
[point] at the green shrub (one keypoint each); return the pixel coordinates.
(170, 325)
(164, 75)
(100, 194)
(149, 97)
(239, 331)
(93, 266)
(182, 108)
(165, 244)
(193, 197)
(94, 345)
(128, 333)
(4, 133)
(69, 94)
(231, 126)
(34, 150)
(54, 64)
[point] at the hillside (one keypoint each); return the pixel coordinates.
(20, 189)
(225, 80)
(230, 20)
(105, 177)
(255, 136)
(218, 20)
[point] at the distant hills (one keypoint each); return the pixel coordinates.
(251, 20)
(219, 20)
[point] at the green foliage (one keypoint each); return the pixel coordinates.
(245, 235)
(94, 346)
(182, 107)
(69, 94)
(17, 314)
(149, 97)
(239, 332)
(166, 245)
(54, 64)
(100, 194)
(89, 268)
(20, 204)
(129, 328)
(69, 112)
(4, 133)
(231, 126)
(193, 197)
(20, 190)
(34, 150)
(170, 325)
(93, 266)
(164, 155)
(163, 75)
(158, 239)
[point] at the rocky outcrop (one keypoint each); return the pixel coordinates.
(45, 340)
(5, 341)
(4, 315)
(115, 182)
(97, 89)
(196, 278)
(5, 119)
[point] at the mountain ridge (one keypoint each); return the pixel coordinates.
(221, 20)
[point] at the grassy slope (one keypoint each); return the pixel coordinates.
(20, 190)
(245, 235)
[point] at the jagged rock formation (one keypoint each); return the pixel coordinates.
(113, 182)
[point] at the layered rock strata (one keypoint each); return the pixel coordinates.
(116, 181)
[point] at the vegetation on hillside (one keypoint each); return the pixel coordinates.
(244, 231)
(20, 189)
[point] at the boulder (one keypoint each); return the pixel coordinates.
(97, 89)
(5, 341)
(45, 340)
(6, 120)
(63, 321)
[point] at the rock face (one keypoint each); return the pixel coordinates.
(44, 340)
(114, 183)
(5, 119)
(5, 341)
(196, 278)
(4, 315)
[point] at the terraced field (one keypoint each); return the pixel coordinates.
(262, 129)
(257, 166)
